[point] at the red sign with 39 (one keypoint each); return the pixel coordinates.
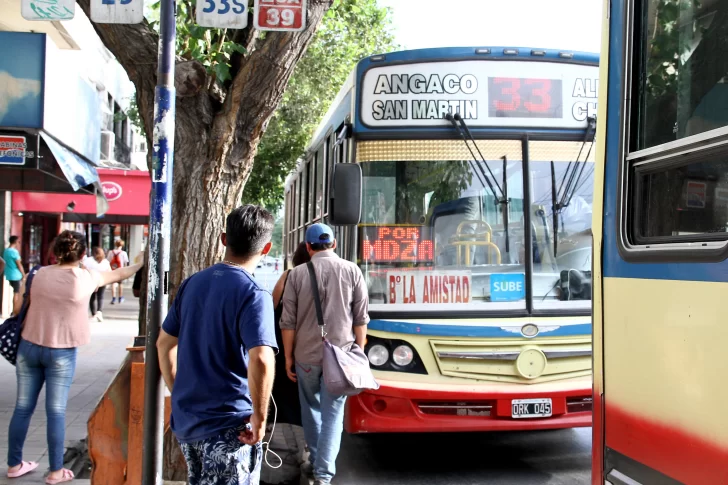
(280, 15)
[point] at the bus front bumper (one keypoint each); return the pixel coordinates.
(394, 408)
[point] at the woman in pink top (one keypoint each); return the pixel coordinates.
(56, 324)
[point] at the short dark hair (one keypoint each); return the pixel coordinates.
(13, 239)
(301, 255)
(322, 246)
(69, 246)
(248, 229)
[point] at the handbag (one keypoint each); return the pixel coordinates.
(11, 328)
(346, 372)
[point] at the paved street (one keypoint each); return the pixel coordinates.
(97, 364)
(545, 457)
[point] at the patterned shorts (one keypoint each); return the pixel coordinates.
(223, 460)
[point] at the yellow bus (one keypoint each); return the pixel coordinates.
(661, 242)
(460, 180)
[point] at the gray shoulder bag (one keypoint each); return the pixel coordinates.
(346, 373)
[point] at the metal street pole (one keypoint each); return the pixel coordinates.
(160, 223)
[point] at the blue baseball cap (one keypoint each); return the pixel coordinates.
(319, 233)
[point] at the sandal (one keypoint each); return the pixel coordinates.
(25, 468)
(66, 476)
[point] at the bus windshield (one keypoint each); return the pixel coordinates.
(433, 232)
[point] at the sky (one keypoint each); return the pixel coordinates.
(558, 24)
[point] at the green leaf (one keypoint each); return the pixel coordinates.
(222, 71)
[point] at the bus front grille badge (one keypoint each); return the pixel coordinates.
(531, 363)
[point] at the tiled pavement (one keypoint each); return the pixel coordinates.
(97, 364)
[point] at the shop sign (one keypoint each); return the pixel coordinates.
(112, 191)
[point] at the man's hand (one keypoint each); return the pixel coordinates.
(256, 432)
(291, 369)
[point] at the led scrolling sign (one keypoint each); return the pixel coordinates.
(396, 244)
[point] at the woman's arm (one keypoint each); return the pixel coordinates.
(278, 289)
(109, 277)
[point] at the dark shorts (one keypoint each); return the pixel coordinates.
(15, 285)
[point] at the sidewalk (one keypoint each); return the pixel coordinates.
(97, 364)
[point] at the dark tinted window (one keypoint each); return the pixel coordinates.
(681, 70)
(689, 201)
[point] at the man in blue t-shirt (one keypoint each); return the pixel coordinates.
(221, 327)
(14, 271)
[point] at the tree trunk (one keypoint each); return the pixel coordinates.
(214, 144)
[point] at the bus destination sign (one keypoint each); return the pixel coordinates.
(428, 287)
(503, 94)
(396, 244)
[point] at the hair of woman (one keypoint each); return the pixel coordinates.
(69, 246)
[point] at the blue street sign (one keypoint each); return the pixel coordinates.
(507, 287)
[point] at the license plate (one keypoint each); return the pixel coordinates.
(531, 408)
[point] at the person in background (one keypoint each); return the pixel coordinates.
(14, 271)
(217, 355)
(118, 258)
(285, 390)
(345, 303)
(55, 326)
(97, 262)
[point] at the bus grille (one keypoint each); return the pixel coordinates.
(518, 361)
(475, 408)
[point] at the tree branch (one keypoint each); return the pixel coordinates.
(258, 88)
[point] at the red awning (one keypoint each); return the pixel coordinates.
(126, 190)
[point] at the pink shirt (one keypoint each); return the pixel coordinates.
(58, 313)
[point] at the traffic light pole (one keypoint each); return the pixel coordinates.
(160, 224)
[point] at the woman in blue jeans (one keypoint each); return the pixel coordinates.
(55, 326)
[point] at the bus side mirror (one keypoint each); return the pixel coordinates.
(345, 198)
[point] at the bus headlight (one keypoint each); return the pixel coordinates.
(378, 355)
(403, 355)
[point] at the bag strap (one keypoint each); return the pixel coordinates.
(28, 282)
(316, 295)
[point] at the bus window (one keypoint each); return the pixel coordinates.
(295, 214)
(688, 202)
(318, 211)
(303, 187)
(561, 215)
(444, 221)
(681, 73)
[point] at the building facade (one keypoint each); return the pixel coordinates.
(70, 157)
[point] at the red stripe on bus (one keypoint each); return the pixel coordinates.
(597, 439)
(685, 457)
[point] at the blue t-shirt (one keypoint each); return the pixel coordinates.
(218, 316)
(12, 273)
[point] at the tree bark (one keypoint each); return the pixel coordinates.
(214, 144)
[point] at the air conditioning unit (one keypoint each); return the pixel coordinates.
(108, 138)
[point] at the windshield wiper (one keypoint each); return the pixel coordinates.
(562, 198)
(478, 173)
(504, 202)
(501, 197)
(464, 128)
